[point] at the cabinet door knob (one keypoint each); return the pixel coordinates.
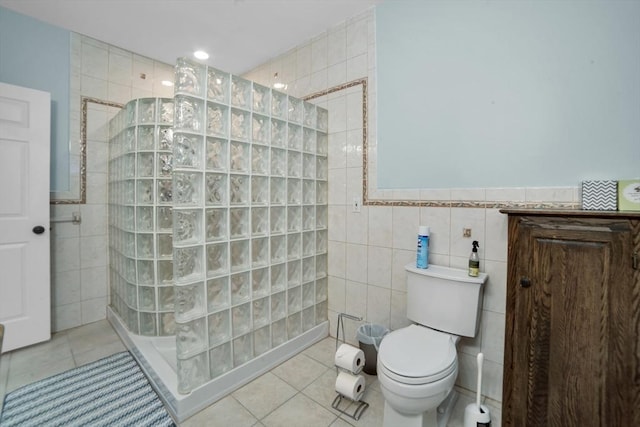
(525, 282)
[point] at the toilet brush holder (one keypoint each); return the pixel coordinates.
(475, 414)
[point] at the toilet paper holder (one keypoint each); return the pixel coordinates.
(362, 405)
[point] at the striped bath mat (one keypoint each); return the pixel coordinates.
(109, 392)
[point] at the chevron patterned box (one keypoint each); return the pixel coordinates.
(600, 195)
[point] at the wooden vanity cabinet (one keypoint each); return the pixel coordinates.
(572, 336)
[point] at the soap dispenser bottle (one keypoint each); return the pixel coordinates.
(474, 260)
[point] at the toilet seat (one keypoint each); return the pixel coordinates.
(417, 355)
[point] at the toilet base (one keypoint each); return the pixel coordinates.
(437, 418)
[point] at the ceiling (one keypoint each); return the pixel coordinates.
(238, 34)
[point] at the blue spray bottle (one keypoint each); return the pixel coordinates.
(422, 259)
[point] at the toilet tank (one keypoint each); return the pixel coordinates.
(444, 298)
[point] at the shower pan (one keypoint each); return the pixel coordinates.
(217, 233)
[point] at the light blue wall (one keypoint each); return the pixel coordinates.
(37, 55)
(507, 93)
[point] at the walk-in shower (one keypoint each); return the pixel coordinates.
(218, 232)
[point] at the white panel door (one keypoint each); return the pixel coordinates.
(24, 216)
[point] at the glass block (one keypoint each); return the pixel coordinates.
(308, 269)
(240, 92)
(191, 337)
(259, 190)
(321, 241)
(217, 120)
(190, 77)
(187, 264)
(308, 243)
(130, 138)
(308, 318)
(145, 272)
(189, 301)
(165, 272)
(146, 110)
(129, 165)
(132, 320)
(146, 298)
(240, 257)
(217, 293)
(308, 218)
(148, 325)
(218, 85)
(295, 110)
(165, 111)
(261, 100)
(294, 325)
(220, 360)
(261, 340)
(321, 216)
(261, 312)
(259, 252)
(294, 299)
(242, 349)
(321, 290)
(309, 140)
(144, 191)
(190, 114)
(131, 295)
(279, 104)
(241, 319)
(279, 332)
(165, 164)
(164, 245)
(165, 138)
(239, 222)
(322, 170)
(321, 192)
(294, 219)
(165, 191)
(144, 218)
(278, 162)
(278, 133)
(278, 277)
(310, 115)
(260, 132)
(259, 160)
(187, 188)
(309, 166)
(294, 164)
(192, 372)
(259, 221)
(294, 191)
(217, 259)
(294, 139)
(144, 246)
(166, 298)
(308, 294)
(309, 192)
(240, 122)
(322, 144)
(294, 273)
(260, 282)
(145, 138)
(240, 288)
(187, 226)
(129, 191)
(215, 189)
(278, 220)
(238, 189)
(215, 224)
(130, 113)
(165, 218)
(321, 266)
(145, 165)
(128, 217)
(322, 121)
(278, 306)
(219, 327)
(239, 156)
(216, 154)
(187, 151)
(322, 312)
(167, 324)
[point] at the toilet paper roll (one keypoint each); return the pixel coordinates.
(350, 386)
(349, 358)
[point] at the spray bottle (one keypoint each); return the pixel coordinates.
(422, 258)
(474, 260)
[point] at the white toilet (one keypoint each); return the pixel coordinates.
(418, 365)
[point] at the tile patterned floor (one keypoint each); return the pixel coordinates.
(299, 392)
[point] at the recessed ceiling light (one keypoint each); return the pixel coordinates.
(166, 83)
(201, 54)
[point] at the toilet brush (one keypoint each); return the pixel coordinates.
(475, 414)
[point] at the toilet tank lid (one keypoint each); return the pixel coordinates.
(447, 273)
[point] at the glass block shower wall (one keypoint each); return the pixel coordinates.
(140, 216)
(250, 220)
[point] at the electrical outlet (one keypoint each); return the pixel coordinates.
(355, 207)
(466, 232)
